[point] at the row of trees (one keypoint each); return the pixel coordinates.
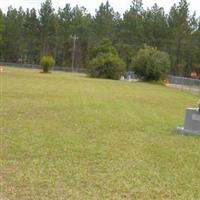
(25, 36)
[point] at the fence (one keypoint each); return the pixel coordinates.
(185, 83)
(174, 81)
(33, 66)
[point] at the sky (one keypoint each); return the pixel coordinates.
(119, 5)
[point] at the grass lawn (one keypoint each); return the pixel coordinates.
(66, 136)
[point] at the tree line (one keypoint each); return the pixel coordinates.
(27, 35)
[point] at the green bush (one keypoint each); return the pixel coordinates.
(105, 62)
(47, 63)
(151, 64)
(106, 66)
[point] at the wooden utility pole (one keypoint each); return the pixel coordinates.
(74, 38)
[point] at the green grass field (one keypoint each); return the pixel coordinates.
(65, 136)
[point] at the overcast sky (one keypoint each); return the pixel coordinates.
(91, 5)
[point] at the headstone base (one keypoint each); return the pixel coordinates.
(181, 130)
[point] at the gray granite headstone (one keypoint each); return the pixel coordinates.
(192, 122)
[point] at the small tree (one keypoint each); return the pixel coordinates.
(105, 61)
(151, 64)
(47, 63)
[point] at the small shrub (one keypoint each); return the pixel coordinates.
(105, 61)
(151, 64)
(47, 63)
(106, 66)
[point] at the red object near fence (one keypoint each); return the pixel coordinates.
(194, 74)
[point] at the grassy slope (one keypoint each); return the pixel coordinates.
(65, 136)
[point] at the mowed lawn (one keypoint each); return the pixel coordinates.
(66, 136)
